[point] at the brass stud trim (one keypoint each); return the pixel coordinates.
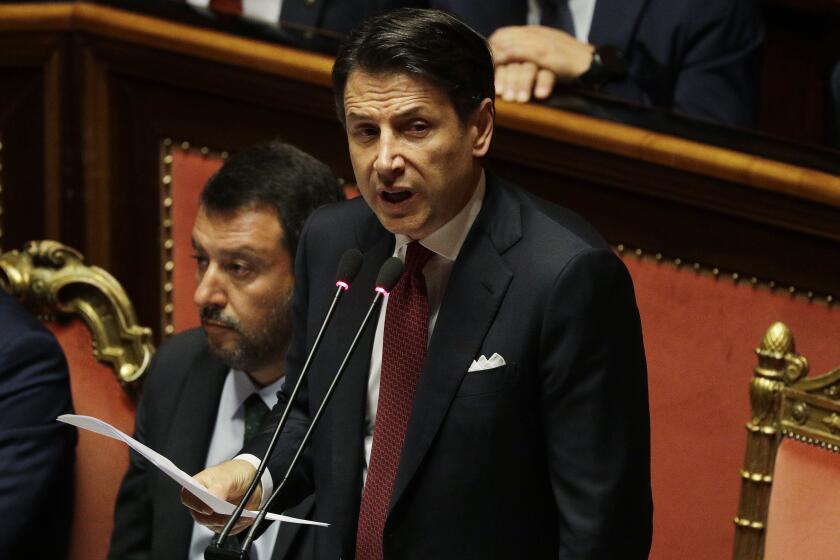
(734, 276)
(834, 448)
(167, 242)
(166, 236)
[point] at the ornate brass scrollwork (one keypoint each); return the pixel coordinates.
(778, 367)
(832, 423)
(53, 281)
(785, 403)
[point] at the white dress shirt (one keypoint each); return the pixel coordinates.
(582, 13)
(445, 243)
(228, 434)
(262, 10)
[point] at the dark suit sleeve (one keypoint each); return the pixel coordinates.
(36, 452)
(132, 536)
(718, 75)
(594, 406)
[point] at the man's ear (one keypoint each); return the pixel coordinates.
(482, 123)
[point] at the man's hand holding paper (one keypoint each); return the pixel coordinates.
(202, 493)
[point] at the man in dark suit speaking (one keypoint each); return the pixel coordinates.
(499, 407)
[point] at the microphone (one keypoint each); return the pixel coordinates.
(388, 277)
(348, 268)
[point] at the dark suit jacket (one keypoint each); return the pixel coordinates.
(698, 57)
(176, 417)
(545, 457)
(36, 452)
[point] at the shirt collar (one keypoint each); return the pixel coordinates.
(241, 387)
(447, 240)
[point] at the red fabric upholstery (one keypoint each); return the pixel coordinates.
(700, 333)
(100, 462)
(804, 504)
(190, 172)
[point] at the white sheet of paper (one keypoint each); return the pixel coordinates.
(168, 467)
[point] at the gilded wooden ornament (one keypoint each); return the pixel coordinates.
(785, 403)
(53, 281)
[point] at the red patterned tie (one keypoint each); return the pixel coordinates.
(403, 352)
(231, 7)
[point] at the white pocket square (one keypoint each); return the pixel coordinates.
(484, 363)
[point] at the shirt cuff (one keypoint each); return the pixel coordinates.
(267, 482)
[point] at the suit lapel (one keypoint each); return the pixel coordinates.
(615, 22)
(192, 428)
(477, 285)
(193, 423)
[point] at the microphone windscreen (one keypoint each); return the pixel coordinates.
(349, 265)
(390, 274)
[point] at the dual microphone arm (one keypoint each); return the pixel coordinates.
(348, 267)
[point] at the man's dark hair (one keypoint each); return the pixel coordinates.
(277, 175)
(429, 44)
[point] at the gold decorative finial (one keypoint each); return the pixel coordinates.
(777, 357)
(778, 340)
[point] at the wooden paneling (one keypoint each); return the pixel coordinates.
(93, 90)
(803, 44)
(22, 134)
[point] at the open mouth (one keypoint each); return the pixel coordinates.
(396, 197)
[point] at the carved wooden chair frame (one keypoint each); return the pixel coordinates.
(785, 403)
(52, 280)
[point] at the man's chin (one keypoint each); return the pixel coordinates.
(409, 226)
(223, 345)
(227, 354)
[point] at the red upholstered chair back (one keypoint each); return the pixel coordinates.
(185, 171)
(107, 354)
(790, 493)
(700, 326)
(804, 503)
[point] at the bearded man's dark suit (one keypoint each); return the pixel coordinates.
(699, 57)
(176, 417)
(545, 457)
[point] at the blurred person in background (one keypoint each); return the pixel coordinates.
(696, 57)
(36, 452)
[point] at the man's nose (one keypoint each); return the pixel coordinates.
(210, 289)
(389, 163)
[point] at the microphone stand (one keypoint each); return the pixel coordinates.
(249, 538)
(350, 264)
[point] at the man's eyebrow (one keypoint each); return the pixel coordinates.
(404, 113)
(411, 111)
(356, 115)
(245, 251)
